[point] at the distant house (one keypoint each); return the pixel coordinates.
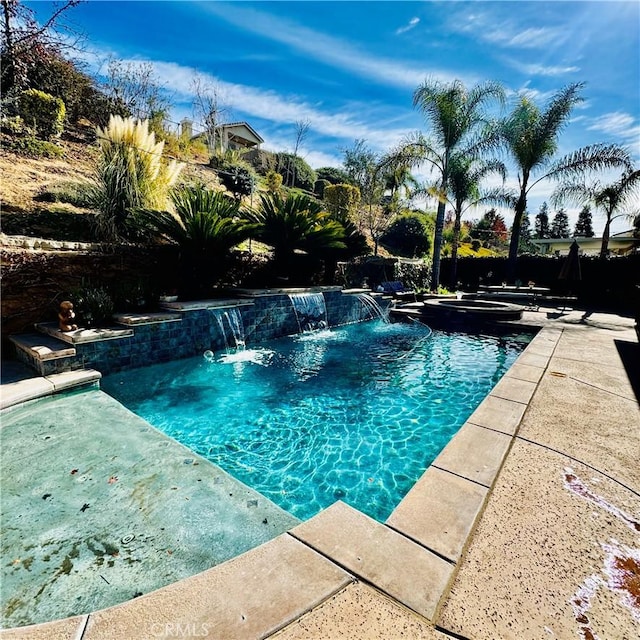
(233, 135)
(619, 244)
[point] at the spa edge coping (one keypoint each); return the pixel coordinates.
(414, 546)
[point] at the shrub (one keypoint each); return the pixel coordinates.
(333, 175)
(295, 171)
(319, 187)
(31, 146)
(341, 200)
(273, 182)
(43, 112)
(93, 305)
(407, 236)
(236, 175)
(131, 173)
(475, 245)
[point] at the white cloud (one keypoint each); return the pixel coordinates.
(617, 124)
(536, 69)
(326, 49)
(412, 23)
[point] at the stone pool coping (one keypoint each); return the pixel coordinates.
(331, 564)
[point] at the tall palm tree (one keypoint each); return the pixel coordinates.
(531, 138)
(456, 117)
(613, 198)
(296, 222)
(466, 174)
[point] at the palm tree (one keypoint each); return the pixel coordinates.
(455, 115)
(296, 222)
(612, 197)
(206, 225)
(531, 137)
(465, 175)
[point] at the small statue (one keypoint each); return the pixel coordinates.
(66, 316)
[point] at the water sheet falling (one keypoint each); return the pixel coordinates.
(372, 308)
(310, 310)
(231, 327)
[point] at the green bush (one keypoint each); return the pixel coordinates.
(295, 171)
(333, 175)
(34, 148)
(93, 305)
(43, 112)
(319, 187)
(273, 182)
(341, 200)
(407, 236)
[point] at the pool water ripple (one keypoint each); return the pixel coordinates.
(356, 413)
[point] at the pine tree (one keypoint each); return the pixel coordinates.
(560, 225)
(525, 245)
(541, 227)
(584, 225)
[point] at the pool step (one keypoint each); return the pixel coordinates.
(21, 388)
(82, 336)
(36, 349)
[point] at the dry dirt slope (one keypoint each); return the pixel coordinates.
(23, 180)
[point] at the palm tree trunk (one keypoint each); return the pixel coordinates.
(454, 250)
(520, 208)
(604, 248)
(437, 247)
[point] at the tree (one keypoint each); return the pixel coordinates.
(531, 138)
(27, 43)
(525, 235)
(541, 228)
(333, 175)
(584, 224)
(465, 176)
(560, 225)
(208, 111)
(133, 89)
(366, 170)
(295, 171)
(408, 236)
(614, 198)
(302, 129)
(455, 116)
(490, 229)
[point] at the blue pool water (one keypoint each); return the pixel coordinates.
(356, 413)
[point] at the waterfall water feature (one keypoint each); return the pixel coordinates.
(372, 307)
(231, 327)
(310, 310)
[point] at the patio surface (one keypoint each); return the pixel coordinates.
(526, 526)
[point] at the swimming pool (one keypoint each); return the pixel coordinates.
(356, 413)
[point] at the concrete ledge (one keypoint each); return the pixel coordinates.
(137, 319)
(439, 512)
(14, 393)
(522, 371)
(474, 453)
(416, 577)
(69, 379)
(498, 414)
(514, 389)
(197, 305)
(251, 596)
(43, 347)
(81, 336)
(67, 629)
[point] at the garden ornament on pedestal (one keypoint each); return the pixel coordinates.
(66, 316)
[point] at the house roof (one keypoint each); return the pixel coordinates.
(233, 125)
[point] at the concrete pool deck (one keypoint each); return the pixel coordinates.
(526, 526)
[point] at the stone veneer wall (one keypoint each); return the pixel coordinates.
(271, 316)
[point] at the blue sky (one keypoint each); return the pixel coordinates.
(350, 68)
